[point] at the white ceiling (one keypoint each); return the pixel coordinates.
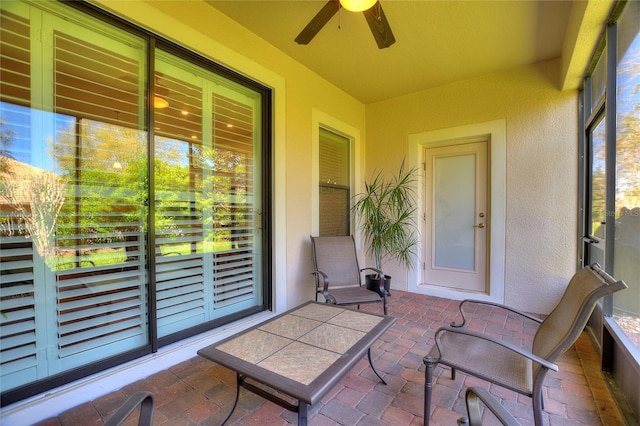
(437, 41)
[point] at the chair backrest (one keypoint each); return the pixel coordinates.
(336, 257)
(564, 324)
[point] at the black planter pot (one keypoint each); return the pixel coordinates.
(376, 283)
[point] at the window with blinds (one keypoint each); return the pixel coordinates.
(83, 185)
(335, 191)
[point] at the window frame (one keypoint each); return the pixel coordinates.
(338, 138)
(323, 120)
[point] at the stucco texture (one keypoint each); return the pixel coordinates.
(541, 165)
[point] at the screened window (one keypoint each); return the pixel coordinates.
(626, 262)
(116, 238)
(334, 177)
(612, 169)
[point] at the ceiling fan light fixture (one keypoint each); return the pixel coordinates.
(357, 5)
(160, 102)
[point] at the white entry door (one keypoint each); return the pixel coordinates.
(456, 217)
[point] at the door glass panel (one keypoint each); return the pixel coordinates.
(597, 193)
(454, 211)
(207, 196)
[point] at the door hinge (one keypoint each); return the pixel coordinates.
(424, 166)
(424, 265)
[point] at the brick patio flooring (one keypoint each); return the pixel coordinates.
(199, 392)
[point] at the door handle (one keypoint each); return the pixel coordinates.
(590, 240)
(480, 225)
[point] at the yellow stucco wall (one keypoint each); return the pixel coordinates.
(541, 165)
(541, 144)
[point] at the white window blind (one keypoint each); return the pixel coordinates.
(334, 197)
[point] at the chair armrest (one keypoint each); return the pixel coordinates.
(496, 305)
(325, 284)
(520, 351)
(377, 271)
(474, 396)
(142, 399)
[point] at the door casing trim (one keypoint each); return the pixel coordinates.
(496, 132)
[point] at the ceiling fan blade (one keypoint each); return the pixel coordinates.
(318, 21)
(379, 26)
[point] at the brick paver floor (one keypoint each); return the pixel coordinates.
(199, 392)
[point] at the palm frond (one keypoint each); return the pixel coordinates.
(385, 211)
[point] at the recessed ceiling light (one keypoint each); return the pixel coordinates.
(160, 102)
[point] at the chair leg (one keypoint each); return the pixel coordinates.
(538, 406)
(373, 368)
(384, 304)
(453, 373)
(430, 364)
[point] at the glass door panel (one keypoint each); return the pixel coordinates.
(207, 196)
(454, 212)
(596, 197)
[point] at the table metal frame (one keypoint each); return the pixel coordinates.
(306, 394)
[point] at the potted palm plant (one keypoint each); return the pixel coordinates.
(385, 214)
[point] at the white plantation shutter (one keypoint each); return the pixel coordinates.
(179, 254)
(101, 288)
(18, 342)
(73, 282)
(205, 212)
(19, 360)
(235, 269)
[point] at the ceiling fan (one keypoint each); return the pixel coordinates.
(372, 11)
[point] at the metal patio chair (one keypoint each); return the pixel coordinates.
(338, 275)
(142, 399)
(520, 369)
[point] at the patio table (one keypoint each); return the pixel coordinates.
(301, 353)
